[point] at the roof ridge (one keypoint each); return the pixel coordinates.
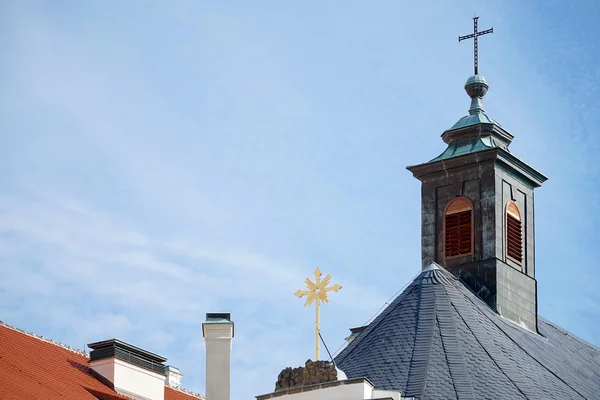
(452, 347)
(188, 392)
(541, 364)
(516, 343)
(566, 332)
(485, 342)
(433, 274)
(349, 348)
(425, 325)
(44, 339)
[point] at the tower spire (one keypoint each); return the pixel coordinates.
(478, 212)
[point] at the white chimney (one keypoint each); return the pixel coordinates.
(172, 376)
(129, 370)
(218, 332)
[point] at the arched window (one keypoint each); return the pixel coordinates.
(514, 232)
(458, 228)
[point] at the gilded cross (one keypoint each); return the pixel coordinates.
(317, 293)
(475, 35)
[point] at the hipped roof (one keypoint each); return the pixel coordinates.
(437, 340)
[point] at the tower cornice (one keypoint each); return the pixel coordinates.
(496, 155)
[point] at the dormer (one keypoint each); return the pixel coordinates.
(129, 370)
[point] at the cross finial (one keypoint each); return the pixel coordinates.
(317, 293)
(475, 35)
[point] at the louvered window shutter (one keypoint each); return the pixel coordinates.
(514, 233)
(458, 228)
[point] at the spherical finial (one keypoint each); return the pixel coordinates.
(476, 86)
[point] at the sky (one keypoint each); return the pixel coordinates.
(161, 160)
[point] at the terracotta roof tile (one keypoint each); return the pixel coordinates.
(176, 394)
(33, 368)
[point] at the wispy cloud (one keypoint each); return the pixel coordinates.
(92, 277)
(163, 162)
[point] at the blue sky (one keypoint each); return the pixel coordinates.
(160, 161)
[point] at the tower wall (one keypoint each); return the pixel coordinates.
(507, 286)
(474, 181)
(516, 296)
(510, 187)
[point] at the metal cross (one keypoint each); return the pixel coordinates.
(317, 292)
(475, 35)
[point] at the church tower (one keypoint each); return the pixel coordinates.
(466, 327)
(478, 212)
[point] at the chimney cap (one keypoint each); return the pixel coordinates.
(218, 318)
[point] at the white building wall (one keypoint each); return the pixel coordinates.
(105, 368)
(383, 394)
(352, 389)
(357, 391)
(131, 380)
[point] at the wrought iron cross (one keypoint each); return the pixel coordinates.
(317, 293)
(475, 35)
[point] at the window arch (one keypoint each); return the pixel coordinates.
(514, 232)
(458, 228)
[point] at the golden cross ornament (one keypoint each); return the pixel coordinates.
(317, 293)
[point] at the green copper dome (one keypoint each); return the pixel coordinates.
(476, 79)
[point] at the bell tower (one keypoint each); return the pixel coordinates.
(478, 212)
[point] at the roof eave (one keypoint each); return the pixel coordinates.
(499, 156)
(535, 177)
(422, 170)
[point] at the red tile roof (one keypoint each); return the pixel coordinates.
(33, 368)
(176, 394)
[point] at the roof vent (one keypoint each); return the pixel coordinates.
(354, 332)
(172, 376)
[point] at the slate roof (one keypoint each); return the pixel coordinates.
(437, 340)
(34, 368)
